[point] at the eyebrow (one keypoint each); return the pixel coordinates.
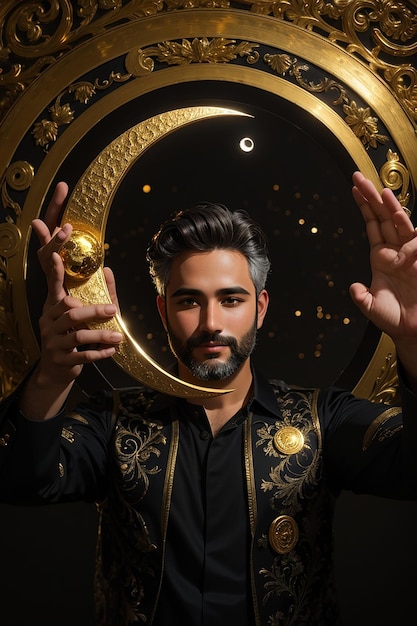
(227, 291)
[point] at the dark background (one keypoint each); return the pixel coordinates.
(298, 186)
(47, 556)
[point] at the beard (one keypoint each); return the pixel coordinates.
(211, 368)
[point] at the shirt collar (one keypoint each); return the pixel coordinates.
(264, 396)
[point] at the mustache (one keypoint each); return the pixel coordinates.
(220, 340)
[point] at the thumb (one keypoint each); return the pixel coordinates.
(362, 297)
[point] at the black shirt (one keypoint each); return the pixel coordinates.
(206, 563)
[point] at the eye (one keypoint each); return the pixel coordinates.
(232, 301)
(186, 303)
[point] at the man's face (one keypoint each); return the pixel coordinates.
(211, 313)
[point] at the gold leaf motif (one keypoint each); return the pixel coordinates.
(45, 132)
(363, 124)
(83, 91)
(218, 50)
(197, 4)
(280, 63)
(61, 114)
(382, 33)
(360, 120)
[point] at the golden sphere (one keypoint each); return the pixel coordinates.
(82, 255)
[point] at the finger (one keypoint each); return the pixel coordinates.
(58, 314)
(407, 254)
(385, 204)
(49, 260)
(369, 193)
(91, 355)
(405, 227)
(111, 286)
(54, 210)
(82, 316)
(100, 339)
(55, 276)
(385, 218)
(55, 240)
(42, 231)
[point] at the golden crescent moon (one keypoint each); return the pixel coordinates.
(87, 210)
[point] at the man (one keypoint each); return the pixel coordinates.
(218, 510)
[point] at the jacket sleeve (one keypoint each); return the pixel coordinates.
(60, 459)
(370, 447)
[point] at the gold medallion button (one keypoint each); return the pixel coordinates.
(288, 440)
(283, 534)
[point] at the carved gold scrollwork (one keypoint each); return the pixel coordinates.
(359, 119)
(13, 357)
(383, 34)
(396, 176)
(10, 238)
(386, 387)
(26, 25)
(19, 176)
(220, 50)
(138, 63)
(380, 34)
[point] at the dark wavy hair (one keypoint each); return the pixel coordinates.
(206, 227)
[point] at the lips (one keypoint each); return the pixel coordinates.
(212, 347)
(204, 342)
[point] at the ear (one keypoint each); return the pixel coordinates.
(160, 303)
(262, 304)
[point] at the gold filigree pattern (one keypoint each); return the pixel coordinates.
(13, 357)
(386, 388)
(382, 33)
(363, 124)
(221, 50)
(35, 38)
(134, 449)
(378, 429)
(19, 176)
(396, 176)
(293, 474)
(203, 50)
(45, 131)
(359, 119)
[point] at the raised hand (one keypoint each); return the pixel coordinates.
(390, 302)
(64, 324)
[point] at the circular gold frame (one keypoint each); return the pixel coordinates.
(97, 64)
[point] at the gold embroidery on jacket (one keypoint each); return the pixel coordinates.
(136, 442)
(68, 435)
(295, 577)
(293, 472)
(134, 447)
(374, 430)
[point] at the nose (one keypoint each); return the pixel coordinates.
(211, 318)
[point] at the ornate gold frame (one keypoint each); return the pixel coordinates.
(351, 64)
